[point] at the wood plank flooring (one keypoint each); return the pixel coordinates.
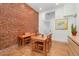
(57, 49)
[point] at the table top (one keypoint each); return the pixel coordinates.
(26, 35)
(39, 37)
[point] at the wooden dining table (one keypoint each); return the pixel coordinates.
(39, 44)
(23, 37)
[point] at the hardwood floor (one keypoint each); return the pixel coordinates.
(57, 49)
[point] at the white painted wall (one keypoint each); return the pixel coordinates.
(67, 9)
(60, 12)
(77, 11)
(41, 24)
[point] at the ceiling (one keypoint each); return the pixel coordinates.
(40, 7)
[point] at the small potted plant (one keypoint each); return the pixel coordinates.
(73, 30)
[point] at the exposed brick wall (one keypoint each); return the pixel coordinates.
(16, 19)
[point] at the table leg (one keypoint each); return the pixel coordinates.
(23, 42)
(45, 49)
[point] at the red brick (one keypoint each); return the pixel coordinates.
(16, 19)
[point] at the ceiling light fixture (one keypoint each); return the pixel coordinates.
(56, 3)
(40, 8)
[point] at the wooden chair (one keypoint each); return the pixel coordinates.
(23, 39)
